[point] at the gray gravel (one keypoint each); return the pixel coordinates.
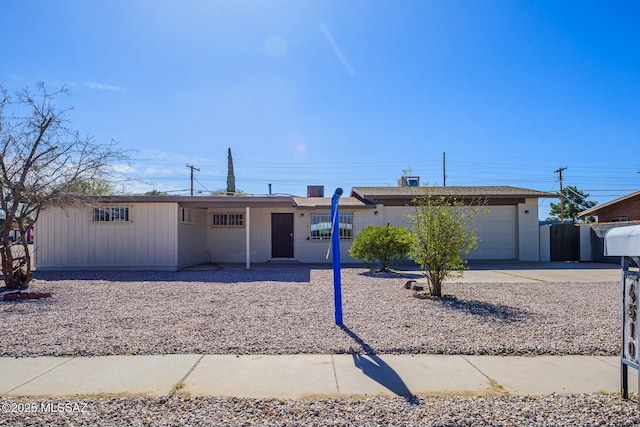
(553, 410)
(291, 311)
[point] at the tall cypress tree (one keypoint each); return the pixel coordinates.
(231, 178)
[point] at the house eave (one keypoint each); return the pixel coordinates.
(594, 211)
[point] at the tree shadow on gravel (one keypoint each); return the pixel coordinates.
(378, 370)
(383, 274)
(230, 276)
(486, 310)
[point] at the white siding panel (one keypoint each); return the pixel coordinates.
(69, 239)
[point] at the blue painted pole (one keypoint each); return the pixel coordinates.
(335, 249)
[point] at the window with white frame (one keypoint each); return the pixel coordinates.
(111, 214)
(227, 220)
(187, 216)
(619, 219)
(321, 225)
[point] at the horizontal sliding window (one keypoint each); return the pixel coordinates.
(321, 225)
(111, 214)
(227, 220)
(619, 219)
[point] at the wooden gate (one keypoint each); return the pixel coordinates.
(565, 242)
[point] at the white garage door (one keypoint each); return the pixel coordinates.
(497, 233)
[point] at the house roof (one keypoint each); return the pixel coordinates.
(596, 209)
(458, 191)
(361, 197)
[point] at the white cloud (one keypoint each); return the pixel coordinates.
(102, 86)
(154, 170)
(120, 168)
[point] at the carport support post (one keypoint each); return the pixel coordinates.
(247, 237)
(335, 251)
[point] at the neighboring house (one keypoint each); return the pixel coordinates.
(174, 232)
(622, 209)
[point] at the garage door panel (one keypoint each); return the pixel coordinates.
(497, 234)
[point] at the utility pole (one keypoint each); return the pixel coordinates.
(559, 171)
(192, 169)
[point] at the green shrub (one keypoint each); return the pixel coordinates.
(384, 244)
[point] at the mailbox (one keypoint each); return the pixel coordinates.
(625, 243)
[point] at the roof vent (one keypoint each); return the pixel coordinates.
(409, 181)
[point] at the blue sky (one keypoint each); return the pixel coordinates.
(344, 93)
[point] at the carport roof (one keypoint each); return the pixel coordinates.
(202, 201)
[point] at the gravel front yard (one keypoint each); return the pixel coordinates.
(554, 410)
(291, 311)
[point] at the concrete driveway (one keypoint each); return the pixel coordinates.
(520, 271)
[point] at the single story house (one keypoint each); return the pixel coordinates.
(175, 232)
(622, 209)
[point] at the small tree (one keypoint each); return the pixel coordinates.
(385, 244)
(156, 193)
(223, 192)
(95, 188)
(42, 163)
(443, 232)
(573, 201)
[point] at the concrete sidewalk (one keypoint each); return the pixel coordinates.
(304, 376)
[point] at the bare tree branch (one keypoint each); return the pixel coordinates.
(44, 163)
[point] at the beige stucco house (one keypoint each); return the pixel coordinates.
(174, 232)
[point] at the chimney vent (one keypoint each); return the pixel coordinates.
(315, 190)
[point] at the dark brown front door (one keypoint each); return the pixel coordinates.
(281, 235)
